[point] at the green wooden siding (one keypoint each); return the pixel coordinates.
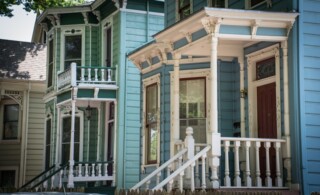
(72, 18)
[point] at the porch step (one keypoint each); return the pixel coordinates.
(101, 190)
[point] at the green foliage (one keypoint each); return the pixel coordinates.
(34, 5)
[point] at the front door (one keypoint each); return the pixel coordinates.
(267, 124)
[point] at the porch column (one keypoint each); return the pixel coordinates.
(71, 159)
(175, 104)
(57, 136)
(215, 136)
(115, 142)
(286, 152)
(242, 100)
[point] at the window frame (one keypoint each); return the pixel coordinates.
(50, 74)
(178, 9)
(210, 4)
(3, 103)
(46, 143)
(71, 31)
(154, 80)
(250, 6)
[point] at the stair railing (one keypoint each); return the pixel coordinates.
(158, 170)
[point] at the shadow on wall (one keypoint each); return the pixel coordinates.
(12, 54)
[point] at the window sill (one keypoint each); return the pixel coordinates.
(10, 142)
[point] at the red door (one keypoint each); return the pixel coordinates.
(267, 124)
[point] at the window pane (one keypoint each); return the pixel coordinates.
(184, 8)
(50, 51)
(11, 121)
(7, 178)
(72, 50)
(48, 143)
(66, 134)
(152, 103)
(255, 2)
(218, 3)
(152, 143)
(265, 68)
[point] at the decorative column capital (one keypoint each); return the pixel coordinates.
(211, 25)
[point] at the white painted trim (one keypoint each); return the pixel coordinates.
(103, 38)
(63, 34)
(141, 12)
(272, 51)
(12, 168)
(155, 79)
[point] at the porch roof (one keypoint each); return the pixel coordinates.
(234, 28)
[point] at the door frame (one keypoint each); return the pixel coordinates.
(252, 59)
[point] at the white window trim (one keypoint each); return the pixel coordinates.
(155, 79)
(50, 36)
(80, 114)
(12, 168)
(4, 102)
(62, 45)
(272, 51)
(189, 74)
(106, 23)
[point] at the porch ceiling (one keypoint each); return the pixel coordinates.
(235, 29)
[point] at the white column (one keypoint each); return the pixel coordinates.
(286, 148)
(176, 100)
(57, 162)
(71, 159)
(242, 100)
(114, 167)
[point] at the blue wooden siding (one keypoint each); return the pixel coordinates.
(310, 93)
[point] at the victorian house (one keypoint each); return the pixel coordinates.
(230, 96)
(92, 102)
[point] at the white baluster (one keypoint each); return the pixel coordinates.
(93, 171)
(52, 182)
(203, 172)
(192, 177)
(237, 179)
(87, 170)
(147, 184)
(96, 74)
(197, 175)
(80, 170)
(169, 186)
(102, 74)
(109, 75)
(248, 177)
(106, 169)
(277, 146)
(258, 178)
(99, 170)
(227, 181)
(45, 184)
(158, 177)
(60, 179)
(181, 181)
(82, 74)
(89, 74)
(268, 173)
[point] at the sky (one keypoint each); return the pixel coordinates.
(19, 27)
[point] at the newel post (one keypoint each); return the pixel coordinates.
(189, 144)
(73, 74)
(215, 158)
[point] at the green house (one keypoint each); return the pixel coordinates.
(92, 97)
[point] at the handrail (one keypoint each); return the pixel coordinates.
(94, 162)
(155, 172)
(182, 168)
(251, 139)
(97, 67)
(38, 176)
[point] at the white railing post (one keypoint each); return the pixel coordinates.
(237, 179)
(87, 170)
(203, 169)
(89, 74)
(82, 74)
(109, 75)
(102, 74)
(215, 158)
(277, 146)
(227, 181)
(189, 144)
(96, 74)
(258, 173)
(268, 173)
(248, 177)
(73, 74)
(93, 170)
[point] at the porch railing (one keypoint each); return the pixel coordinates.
(243, 163)
(78, 75)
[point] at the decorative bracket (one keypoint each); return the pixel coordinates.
(254, 27)
(289, 26)
(44, 26)
(85, 17)
(17, 96)
(187, 36)
(116, 3)
(211, 25)
(148, 59)
(52, 20)
(57, 18)
(97, 14)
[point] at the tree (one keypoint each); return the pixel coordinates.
(34, 5)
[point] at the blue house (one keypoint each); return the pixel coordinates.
(230, 96)
(92, 97)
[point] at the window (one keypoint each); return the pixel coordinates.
(66, 134)
(265, 68)
(192, 108)
(50, 65)
(108, 43)
(218, 3)
(184, 8)
(151, 124)
(10, 121)
(251, 4)
(48, 143)
(7, 178)
(73, 47)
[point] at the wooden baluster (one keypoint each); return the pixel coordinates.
(60, 179)
(89, 74)
(203, 172)
(80, 170)
(277, 146)
(169, 186)
(227, 181)
(106, 169)
(268, 173)
(102, 74)
(87, 170)
(45, 184)
(197, 174)
(258, 178)
(181, 181)
(192, 177)
(99, 170)
(109, 75)
(248, 177)
(237, 179)
(52, 181)
(96, 74)
(147, 184)
(93, 171)
(158, 177)
(82, 74)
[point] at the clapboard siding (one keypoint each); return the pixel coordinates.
(36, 132)
(311, 94)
